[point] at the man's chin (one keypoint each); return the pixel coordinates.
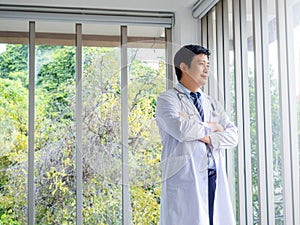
(202, 83)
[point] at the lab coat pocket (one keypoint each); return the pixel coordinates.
(178, 172)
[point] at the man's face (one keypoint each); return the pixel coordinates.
(198, 71)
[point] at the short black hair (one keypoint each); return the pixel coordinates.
(186, 54)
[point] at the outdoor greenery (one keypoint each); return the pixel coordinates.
(55, 126)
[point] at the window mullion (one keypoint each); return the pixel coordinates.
(239, 112)
(124, 127)
(79, 128)
(169, 64)
(227, 98)
(293, 113)
(284, 113)
(31, 124)
(260, 119)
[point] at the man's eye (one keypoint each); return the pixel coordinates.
(202, 64)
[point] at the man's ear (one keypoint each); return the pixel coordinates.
(183, 66)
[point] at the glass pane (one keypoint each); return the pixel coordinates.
(13, 122)
(252, 104)
(294, 8)
(147, 78)
(274, 87)
(102, 151)
(55, 124)
(213, 86)
(232, 102)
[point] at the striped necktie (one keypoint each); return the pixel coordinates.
(196, 96)
(197, 102)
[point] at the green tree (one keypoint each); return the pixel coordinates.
(14, 59)
(13, 142)
(55, 137)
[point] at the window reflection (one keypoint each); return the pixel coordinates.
(146, 79)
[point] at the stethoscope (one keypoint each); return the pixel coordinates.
(187, 106)
(191, 110)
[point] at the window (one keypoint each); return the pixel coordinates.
(95, 155)
(250, 46)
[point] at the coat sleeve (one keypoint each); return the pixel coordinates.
(229, 137)
(176, 123)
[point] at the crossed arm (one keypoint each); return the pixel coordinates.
(215, 127)
(219, 134)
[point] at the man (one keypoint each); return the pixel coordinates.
(194, 128)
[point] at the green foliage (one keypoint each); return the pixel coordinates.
(145, 205)
(57, 78)
(14, 59)
(55, 137)
(13, 144)
(144, 142)
(61, 70)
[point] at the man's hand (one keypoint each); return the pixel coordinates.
(216, 127)
(206, 139)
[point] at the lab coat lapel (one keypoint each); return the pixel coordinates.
(191, 104)
(206, 106)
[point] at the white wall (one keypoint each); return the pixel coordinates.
(185, 31)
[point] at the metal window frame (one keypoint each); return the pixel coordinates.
(201, 7)
(31, 125)
(260, 108)
(267, 112)
(169, 60)
(246, 112)
(213, 89)
(227, 100)
(289, 138)
(292, 114)
(79, 127)
(239, 111)
(220, 54)
(284, 112)
(204, 39)
(124, 128)
(75, 14)
(126, 209)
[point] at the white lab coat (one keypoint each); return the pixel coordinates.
(184, 199)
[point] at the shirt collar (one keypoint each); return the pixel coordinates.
(186, 90)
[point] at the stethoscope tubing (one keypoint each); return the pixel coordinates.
(191, 104)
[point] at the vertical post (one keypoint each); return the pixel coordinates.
(169, 64)
(267, 111)
(246, 112)
(227, 98)
(124, 121)
(293, 111)
(204, 41)
(260, 119)
(213, 71)
(219, 52)
(284, 113)
(239, 111)
(79, 149)
(31, 198)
